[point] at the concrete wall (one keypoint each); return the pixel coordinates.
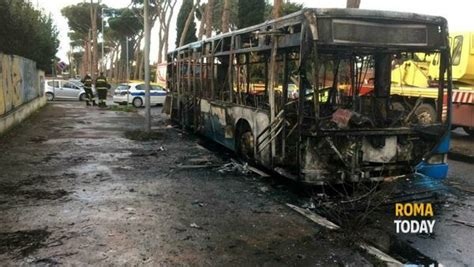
(21, 90)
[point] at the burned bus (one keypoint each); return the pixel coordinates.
(308, 95)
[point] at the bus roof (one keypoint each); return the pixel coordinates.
(327, 17)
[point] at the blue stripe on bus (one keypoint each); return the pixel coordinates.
(151, 94)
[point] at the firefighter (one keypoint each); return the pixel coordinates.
(87, 81)
(101, 85)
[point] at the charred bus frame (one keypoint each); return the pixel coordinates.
(287, 94)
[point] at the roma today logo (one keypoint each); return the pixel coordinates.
(408, 218)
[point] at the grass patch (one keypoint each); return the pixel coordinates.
(140, 135)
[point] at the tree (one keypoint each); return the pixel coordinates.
(183, 14)
(27, 32)
(250, 12)
(286, 9)
(277, 8)
(226, 16)
(165, 12)
(187, 24)
(80, 26)
(126, 25)
(93, 16)
(208, 18)
(353, 3)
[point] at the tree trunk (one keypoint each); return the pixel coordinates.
(142, 65)
(353, 3)
(111, 63)
(276, 12)
(117, 64)
(86, 57)
(94, 39)
(225, 16)
(209, 14)
(188, 22)
(137, 57)
(202, 25)
(165, 13)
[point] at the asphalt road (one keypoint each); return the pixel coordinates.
(76, 187)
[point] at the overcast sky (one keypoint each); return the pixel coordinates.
(458, 12)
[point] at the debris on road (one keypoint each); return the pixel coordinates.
(380, 255)
(463, 222)
(199, 203)
(194, 225)
(264, 189)
(234, 167)
(314, 217)
(259, 172)
(387, 259)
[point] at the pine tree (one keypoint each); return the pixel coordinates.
(250, 12)
(186, 7)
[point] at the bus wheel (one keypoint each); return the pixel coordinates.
(426, 114)
(469, 130)
(245, 147)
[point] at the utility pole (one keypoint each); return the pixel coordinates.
(128, 71)
(147, 67)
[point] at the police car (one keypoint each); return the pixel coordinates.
(134, 93)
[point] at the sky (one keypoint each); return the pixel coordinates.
(458, 12)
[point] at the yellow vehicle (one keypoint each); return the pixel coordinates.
(415, 80)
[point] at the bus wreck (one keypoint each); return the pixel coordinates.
(309, 95)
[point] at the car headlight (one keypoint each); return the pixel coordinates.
(437, 159)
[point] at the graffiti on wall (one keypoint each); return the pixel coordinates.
(20, 82)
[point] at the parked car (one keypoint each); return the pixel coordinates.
(64, 90)
(135, 94)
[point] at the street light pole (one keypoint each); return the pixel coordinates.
(147, 67)
(128, 73)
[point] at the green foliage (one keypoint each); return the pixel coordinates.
(218, 12)
(286, 9)
(289, 7)
(250, 12)
(186, 7)
(27, 32)
(127, 23)
(79, 17)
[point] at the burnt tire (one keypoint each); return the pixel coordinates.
(245, 143)
(469, 130)
(426, 114)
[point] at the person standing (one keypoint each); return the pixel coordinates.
(101, 85)
(87, 81)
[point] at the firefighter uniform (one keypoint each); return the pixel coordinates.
(101, 86)
(87, 81)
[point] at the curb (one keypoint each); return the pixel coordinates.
(460, 157)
